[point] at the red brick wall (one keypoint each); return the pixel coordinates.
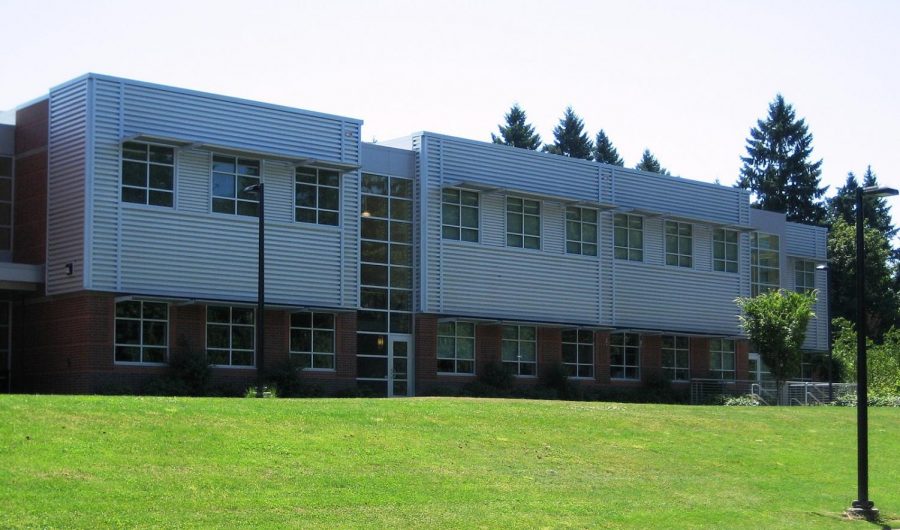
(426, 350)
(741, 360)
(699, 357)
(549, 347)
(601, 347)
(651, 357)
(345, 345)
(488, 339)
(30, 201)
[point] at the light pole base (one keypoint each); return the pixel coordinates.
(860, 510)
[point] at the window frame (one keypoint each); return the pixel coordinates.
(673, 370)
(524, 216)
(148, 164)
(684, 258)
(722, 264)
(808, 274)
(755, 268)
(459, 206)
(579, 346)
(629, 251)
(6, 251)
(519, 341)
(581, 223)
(311, 353)
(318, 186)
(140, 345)
(237, 188)
(455, 358)
(626, 348)
(231, 325)
(720, 373)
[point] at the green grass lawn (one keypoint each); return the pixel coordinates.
(94, 462)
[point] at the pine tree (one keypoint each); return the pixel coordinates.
(777, 168)
(518, 132)
(605, 152)
(876, 210)
(570, 138)
(650, 163)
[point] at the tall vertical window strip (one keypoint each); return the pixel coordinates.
(142, 332)
(581, 231)
(317, 196)
(230, 335)
(679, 244)
(804, 276)
(628, 237)
(456, 348)
(519, 349)
(231, 175)
(725, 250)
(148, 174)
(6, 203)
(459, 215)
(676, 355)
(625, 356)
(578, 352)
(312, 340)
(721, 362)
(523, 223)
(764, 263)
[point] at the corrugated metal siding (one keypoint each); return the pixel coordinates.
(68, 140)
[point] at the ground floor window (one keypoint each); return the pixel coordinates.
(142, 332)
(456, 348)
(230, 335)
(519, 349)
(312, 340)
(578, 352)
(676, 356)
(625, 356)
(721, 363)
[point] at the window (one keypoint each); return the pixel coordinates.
(148, 174)
(625, 356)
(725, 250)
(142, 332)
(523, 223)
(230, 335)
(676, 355)
(456, 348)
(6, 203)
(581, 231)
(679, 244)
(578, 352)
(459, 215)
(764, 263)
(312, 340)
(519, 349)
(721, 362)
(628, 237)
(231, 175)
(317, 196)
(804, 276)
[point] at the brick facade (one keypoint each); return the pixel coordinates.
(30, 200)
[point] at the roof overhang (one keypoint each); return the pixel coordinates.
(291, 308)
(568, 201)
(20, 276)
(684, 218)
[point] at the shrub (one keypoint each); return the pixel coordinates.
(496, 374)
(849, 399)
(746, 400)
(268, 391)
(287, 377)
(189, 368)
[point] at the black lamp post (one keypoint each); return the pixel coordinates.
(863, 506)
(260, 288)
(827, 270)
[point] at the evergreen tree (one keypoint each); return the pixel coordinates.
(570, 138)
(518, 132)
(777, 168)
(650, 163)
(605, 152)
(876, 210)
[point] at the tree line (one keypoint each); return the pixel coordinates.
(782, 174)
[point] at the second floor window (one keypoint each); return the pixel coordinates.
(459, 215)
(148, 174)
(679, 244)
(317, 195)
(764, 263)
(628, 237)
(231, 175)
(804, 276)
(725, 250)
(581, 231)
(523, 223)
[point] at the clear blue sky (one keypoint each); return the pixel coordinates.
(685, 79)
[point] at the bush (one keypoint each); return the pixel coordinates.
(849, 399)
(189, 369)
(287, 377)
(496, 374)
(267, 392)
(746, 400)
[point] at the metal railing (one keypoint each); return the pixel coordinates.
(712, 391)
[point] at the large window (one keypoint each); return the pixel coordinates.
(676, 355)
(459, 215)
(625, 356)
(456, 348)
(804, 276)
(725, 250)
(6, 203)
(523, 223)
(231, 175)
(312, 340)
(519, 349)
(721, 362)
(578, 352)
(628, 237)
(679, 244)
(764, 263)
(317, 196)
(230, 335)
(581, 231)
(142, 332)
(148, 174)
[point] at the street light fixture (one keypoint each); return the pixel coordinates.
(863, 506)
(827, 269)
(260, 288)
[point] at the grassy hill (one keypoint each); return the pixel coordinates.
(91, 462)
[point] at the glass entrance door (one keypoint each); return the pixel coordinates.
(399, 361)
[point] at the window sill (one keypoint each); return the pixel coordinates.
(137, 363)
(455, 374)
